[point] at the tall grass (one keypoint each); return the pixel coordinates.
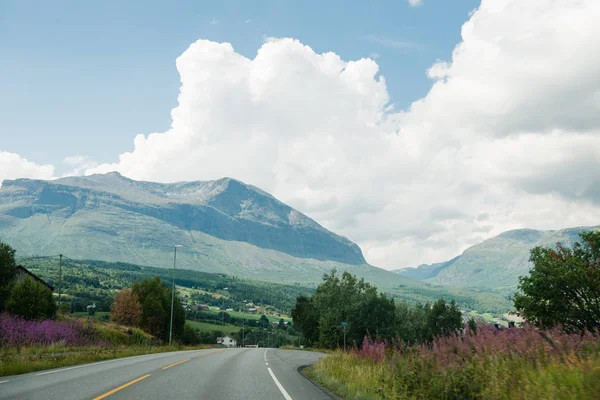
(489, 364)
(16, 331)
(28, 346)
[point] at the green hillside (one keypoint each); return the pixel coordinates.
(496, 263)
(225, 226)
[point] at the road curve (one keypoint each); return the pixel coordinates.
(212, 374)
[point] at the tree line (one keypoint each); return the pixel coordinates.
(561, 289)
(345, 303)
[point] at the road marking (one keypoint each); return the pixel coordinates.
(79, 366)
(281, 389)
(267, 363)
(105, 395)
(3, 381)
(177, 363)
(109, 361)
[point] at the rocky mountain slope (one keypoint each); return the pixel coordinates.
(225, 226)
(495, 263)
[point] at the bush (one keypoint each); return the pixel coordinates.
(509, 363)
(31, 300)
(64, 308)
(17, 331)
(190, 336)
(138, 337)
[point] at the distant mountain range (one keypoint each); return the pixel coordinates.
(495, 263)
(225, 226)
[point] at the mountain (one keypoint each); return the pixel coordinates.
(424, 271)
(225, 226)
(132, 216)
(495, 263)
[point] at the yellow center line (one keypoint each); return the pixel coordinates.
(105, 395)
(178, 362)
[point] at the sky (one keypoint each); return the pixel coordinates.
(414, 128)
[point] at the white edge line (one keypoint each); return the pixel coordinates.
(281, 389)
(3, 381)
(102, 362)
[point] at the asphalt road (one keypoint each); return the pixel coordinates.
(213, 374)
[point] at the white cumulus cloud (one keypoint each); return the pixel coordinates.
(78, 164)
(13, 166)
(415, 3)
(507, 137)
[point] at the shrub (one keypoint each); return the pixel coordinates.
(488, 363)
(138, 337)
(31, 300)
(17, 331)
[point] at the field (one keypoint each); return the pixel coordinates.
(242, 315)
(206, 327)
(100, 315)
(492, 364)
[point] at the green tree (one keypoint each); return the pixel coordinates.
(264, 321)
(31, 300)
(306, 318)
(155, 299)
(411, 322)
(343, 299)
(7, 272)
(443, 319)
(190, 336)
(563, 287)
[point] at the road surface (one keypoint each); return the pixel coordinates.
(212, 374)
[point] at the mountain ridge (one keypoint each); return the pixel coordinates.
(497, 262)
(226, 209)
(224, 225)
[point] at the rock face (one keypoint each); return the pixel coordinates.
(495, 263)
(110, 209)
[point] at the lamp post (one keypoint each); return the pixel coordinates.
(243, 337)
(173, 292)
(344, 324)
(223, 308)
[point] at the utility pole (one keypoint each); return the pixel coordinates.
(60, 256)
(173, 294)
(243, 336)
(344, 325)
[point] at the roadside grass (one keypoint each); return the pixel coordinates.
(353, 378)
(15, 361)
(510, 365)
(106, 340)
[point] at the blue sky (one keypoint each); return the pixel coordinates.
(498, 140)
(83, 78)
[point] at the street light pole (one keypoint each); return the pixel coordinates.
(173, 293)
(59, 278)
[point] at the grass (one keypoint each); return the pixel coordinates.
(523, 365)
(98, 316)
(242, 315)
(37, 358)
(207, 327)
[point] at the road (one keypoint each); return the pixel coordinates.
(212, 374)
